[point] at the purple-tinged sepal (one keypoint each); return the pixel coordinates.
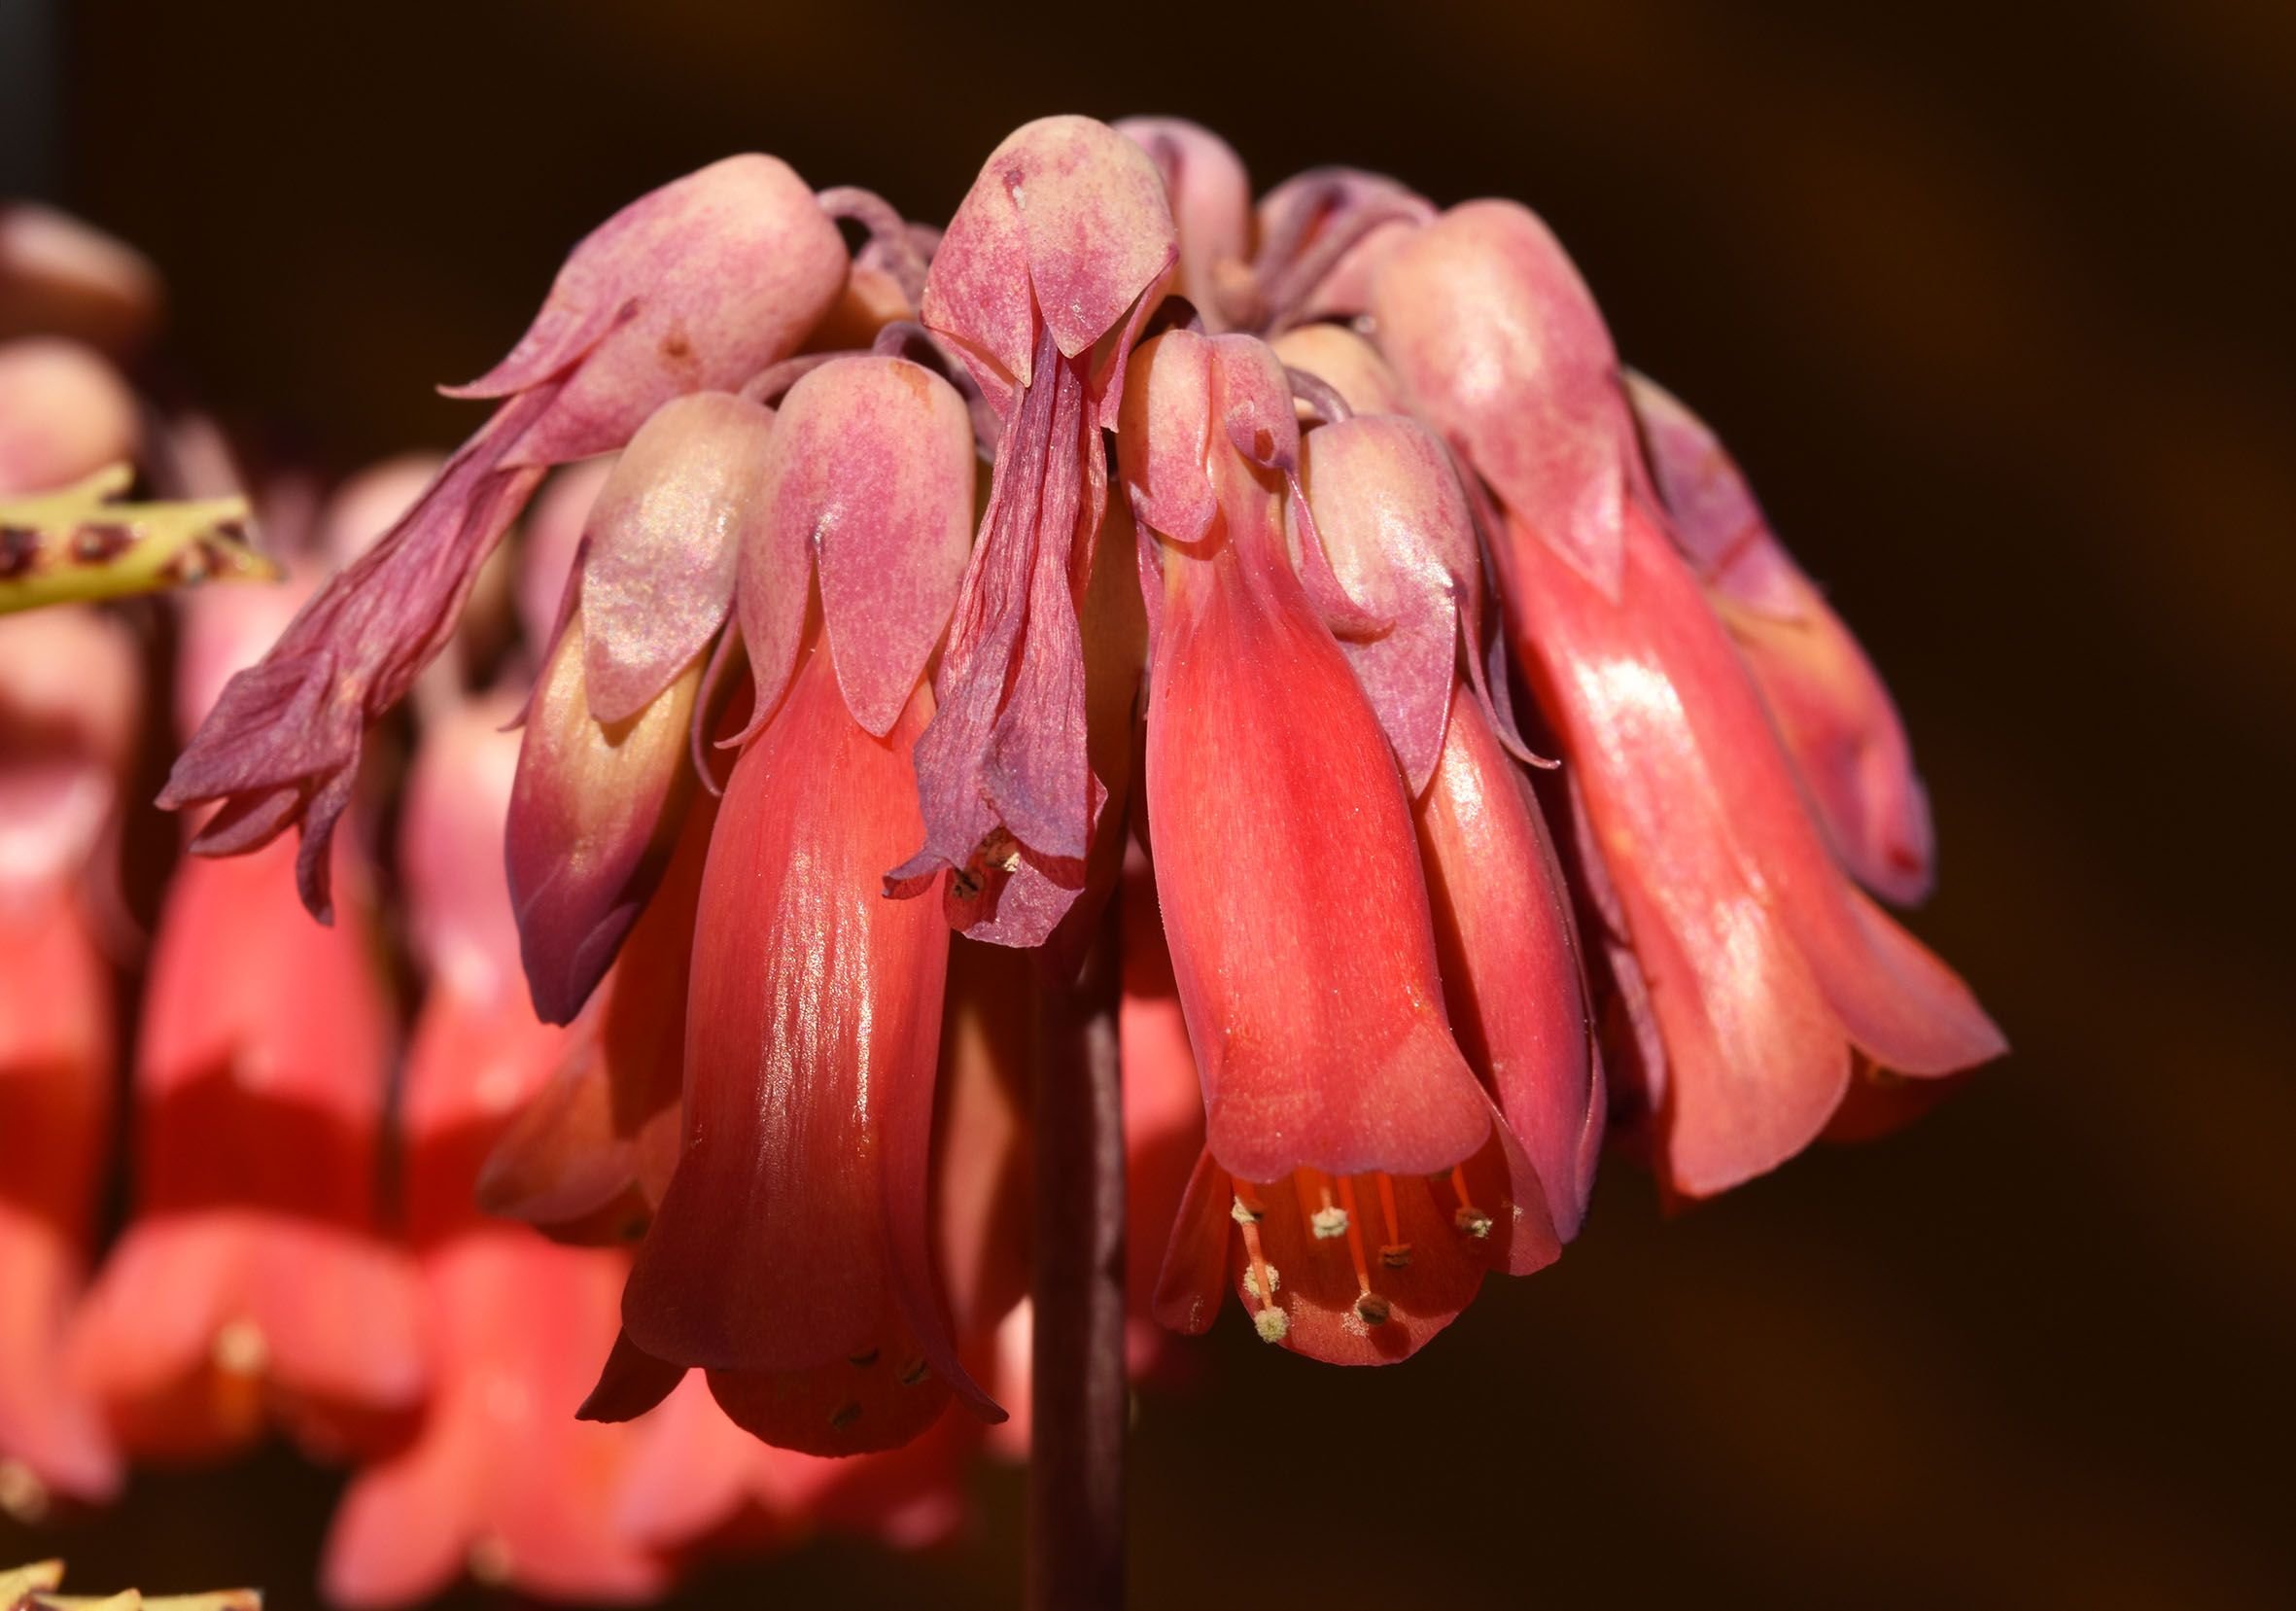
(1060, 248)
(1211, 201)
(660, 546)
(871, 477)
(694, 287)
(1401, 538)
(1500, 347)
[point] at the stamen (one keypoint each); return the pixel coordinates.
(1395, 1252)
(1469, 1218)
(1259, 1277)
(241, 1348)
(488, 1561)
(1330, 1221)
(914, 1371)
(1372, 1309)
(1354, 1231)
(844, 1415)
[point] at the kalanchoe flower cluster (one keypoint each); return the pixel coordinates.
(1383, 501)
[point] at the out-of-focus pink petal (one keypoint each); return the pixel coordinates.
(70, 697)
(1830, 705)
(503, 1479)
(1322, 237)
(48, 1427)
(553, 534)
(61, 276)
(661, 544)
(64, 414)
(1500, 347)
(56, 1074)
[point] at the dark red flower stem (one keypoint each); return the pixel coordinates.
(1079, 1398)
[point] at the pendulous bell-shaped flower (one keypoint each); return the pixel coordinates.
(1060, 248)
(1831, 706)
(252, 1286)
(1396, 521)
(1768, 973)
(790, 1257)
(1357, 1179)
(694, 287)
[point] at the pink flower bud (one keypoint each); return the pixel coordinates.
(593, 813)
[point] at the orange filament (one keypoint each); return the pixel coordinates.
(1470, 1219)
(1395, 1252)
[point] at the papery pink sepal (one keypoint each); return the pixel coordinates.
(693, 287)
(1211, 203)
(1067, 224)
(1500, 347)
(661, 544)
(1401, 542)
(871, 472)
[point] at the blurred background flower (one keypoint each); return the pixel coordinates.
(1979, 306)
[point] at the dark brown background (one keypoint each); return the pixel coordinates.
(1993, 305)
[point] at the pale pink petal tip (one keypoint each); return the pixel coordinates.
(1500, 347)
(872, 471)
(661, 544)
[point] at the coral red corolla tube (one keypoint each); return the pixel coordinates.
(1769, 975)
(1298, 919)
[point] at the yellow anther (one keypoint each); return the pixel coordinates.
(1273, 1324)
